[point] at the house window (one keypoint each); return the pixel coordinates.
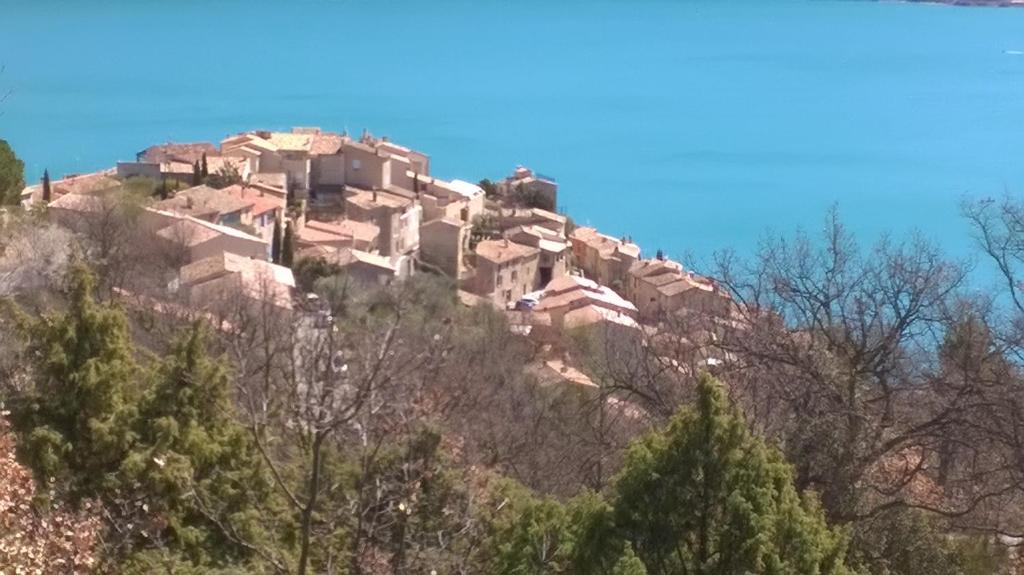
(515, 275)
(508, 295)
(499, 280)
(357, 164)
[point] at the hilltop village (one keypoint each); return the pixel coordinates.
(256, 215)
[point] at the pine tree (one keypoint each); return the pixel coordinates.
(204, 168)
(288, 246)
(75, 421)
(47, 194)
(703, 497)
(193, 460)
(275, 242)
(706, 496)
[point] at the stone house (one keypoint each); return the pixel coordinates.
(443, 242)
(602, 258)
(223, 277)
(554, 250)
(660, 286)
(505, 271)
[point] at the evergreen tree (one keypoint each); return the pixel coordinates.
(193, 460)
(47, 194)
(703, 497)
(288, 246)
(275, 242)
(707, 497)
(197, 174)
(12, 175)
(163, 190)
(75, 421)
(204, 168)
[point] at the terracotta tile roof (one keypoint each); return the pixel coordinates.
(646, 268)
(207, 268)
(215, 164)
(371, 200)
(502, 251)
(187, 152)
(549, 215)
(348, 256)
(686, 282)
(261, 203)
(85, 183)
(362, 231)
(250, 142)
(187, 232)
(275, 181)
(289, 142)
(326, 144)
(575, 292)
(607, 246)
(592, 314)
(204, 200)
(194, 231)
(538, 237)
(227, 274)
(77, 203)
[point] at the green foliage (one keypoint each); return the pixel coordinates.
(531, 197)
(47, 192)
(76, 421)
(909, 542)
(704, 496)
(12, 175)
(195, 463)
(197, 174)
(226, 176)
(275, 242)
(489, 188)
(204, 167)
(288, 246)
(309, 270)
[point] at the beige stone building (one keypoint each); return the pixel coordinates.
(443, 243)
(505, 271)
(397, 218)
(337, 234)
(572, 302)
(196, 239)
(81, 184)
(218, 280)
(602, 258)
(660, 286)
(364, 267)
(210, 204)
(554, 250)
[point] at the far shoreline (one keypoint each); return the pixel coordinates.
(968, 3)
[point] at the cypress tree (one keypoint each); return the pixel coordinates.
(275, 242)
(47, 194)
(197, 174)
(75, 421)
(288, 246)
(204, 168)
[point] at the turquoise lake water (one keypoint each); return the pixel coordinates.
(690, 125)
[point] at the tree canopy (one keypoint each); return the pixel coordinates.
(12, 175)
(704, 496)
